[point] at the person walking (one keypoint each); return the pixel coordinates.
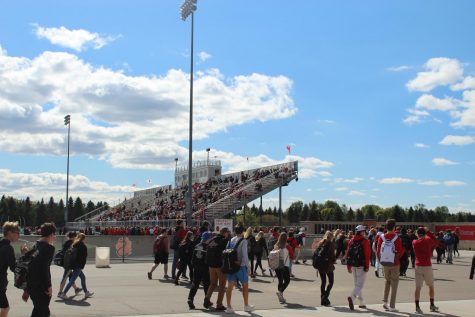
(11, 234)
(326, 252)
(259, 248)
(78, 262)
(240, 244)
(301, 238)
(440, 249)
(358, 253)
(389, 253)
(456, 234)
(177, 236)
(404, 259)
(185, 252)
(423, 247)
(67, 271)
(374, 246)
(251, 242)
(214, 251)
(283, 271)
(293, 244)
(449, 241)
(39, 275)
(160, 252)
(200, 267)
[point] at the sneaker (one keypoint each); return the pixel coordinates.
(164, 276)
(376, 273)
(434, 309)
(297, 262)
(229, 310)
(304, 261)
(279, 296)
(149, 275)
(419, 311)
(190, 304)
(350, 303)
(362, 306)
(248, 308)
(59, 294)
(63, 296)
(88, 294)
(386, 306)
(393, 310)
(220, 308)
(291, 275)
(78, 290)
(184, 277)
(207, 303)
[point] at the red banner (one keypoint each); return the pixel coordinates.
(465, 232)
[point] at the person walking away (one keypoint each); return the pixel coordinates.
(251, 242)
(423, 247)
(214, 251)
(39, 275)
(11, 233)
(449, 244)
(240, 244)
(293, 244)
(456, 241)
(259, 248)
(389, 253)
(404, 259)
(185, 252)
(374, 247)
(177, 236)
(200, 267)
(472, 269)
(440, 249)
(371, 237)
(301, 237)
(67, 271)
(340, 248)
(413, 237)
(160, 253)
(357, 261)
(78, 262)
(283, 270)
(324, 260)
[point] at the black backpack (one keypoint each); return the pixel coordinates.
(356, 256)
(230, 259)
(23, 267)
(58, 258)
(320, 259)
(213, 252)
(199, 254)
(69, 258)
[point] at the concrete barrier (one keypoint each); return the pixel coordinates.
(103, 257)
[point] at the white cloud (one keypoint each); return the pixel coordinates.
(204, 56)
(466, 116)
(323, 174)
(429, 183)
(341, 189)
(401, 68)
(416, 116)
(421, 145)
(326, 121)
(467, 83)
(396, 180)
(440, 161)
(439, 72)
(459, 140)
(353, 180)
(454, 183)
(429, 102)
(147, 110)
(356, 193)
(78, 40)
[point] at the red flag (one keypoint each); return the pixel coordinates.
(288, 148)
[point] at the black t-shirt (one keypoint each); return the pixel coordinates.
(39, 275)
(7, 260)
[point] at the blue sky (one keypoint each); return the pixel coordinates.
(376, 99)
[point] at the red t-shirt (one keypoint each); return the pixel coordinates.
(423, 249)
(397, 244)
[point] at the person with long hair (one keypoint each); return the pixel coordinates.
(79, 258)
(251, 242)
(259, 248)
(185, 252)
(283, 272)
(67, 271)
(328, 250)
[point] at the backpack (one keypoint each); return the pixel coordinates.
(23, 267)
(199, 254)
(213, 254)
(320, 260)
(175, 240)
(158, 246)
(69, 257)
(230, 259)
(356, 255)
(275, 260)
(388, 251)
(58, 258)
(299, 239)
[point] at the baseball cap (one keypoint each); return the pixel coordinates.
(360, 228)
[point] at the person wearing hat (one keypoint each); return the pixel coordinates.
(358, 254)
(423, 247)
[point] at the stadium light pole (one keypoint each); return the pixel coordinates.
(188, 8)
(176, 170)
(67, 121)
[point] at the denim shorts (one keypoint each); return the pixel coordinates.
(240, 276)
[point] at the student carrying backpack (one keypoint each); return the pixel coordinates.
(230, 263)
(323, 260)
(387, 254)
(355, 254)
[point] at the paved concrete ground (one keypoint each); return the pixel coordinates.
(124, 290)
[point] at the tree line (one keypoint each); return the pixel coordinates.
(33, 214)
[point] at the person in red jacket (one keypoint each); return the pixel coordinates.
(423, 248)
(358, 254)
(393, 244)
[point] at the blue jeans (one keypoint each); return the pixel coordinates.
(77, 273)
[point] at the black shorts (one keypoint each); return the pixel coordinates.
(3, 299)
(161, 258)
